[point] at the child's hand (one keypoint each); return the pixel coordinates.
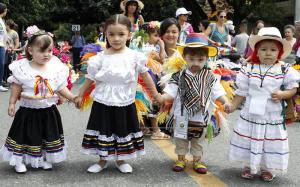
(61, 100)
(159, 99)
(78, 101)
(277, 96)
(161, 43)
(228, 107)
(11, 110)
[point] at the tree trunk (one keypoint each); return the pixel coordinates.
(197, 13)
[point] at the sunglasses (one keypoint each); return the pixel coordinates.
(222, 16)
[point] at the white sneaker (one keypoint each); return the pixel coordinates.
(124, 168)
(2, 89)
(47, 165)
(96, 168)
(20, 168)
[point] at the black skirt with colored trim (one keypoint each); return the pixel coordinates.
(113, 132)
(36, 135)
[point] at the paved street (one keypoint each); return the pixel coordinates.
(153, 169)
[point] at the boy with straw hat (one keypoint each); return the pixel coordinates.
(192, 90)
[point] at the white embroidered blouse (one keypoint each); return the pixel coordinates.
(116, 76)
(270, 77)
(39, 88)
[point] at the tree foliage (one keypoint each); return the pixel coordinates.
(55, 14)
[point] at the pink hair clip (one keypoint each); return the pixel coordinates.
(31, 30)
(154, 24)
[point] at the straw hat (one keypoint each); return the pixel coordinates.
(198, 40)
(123, 4)
(271, 33)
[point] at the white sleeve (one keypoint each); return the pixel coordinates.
(242, 82)
(94, 65)
(141, 62)
(291, 78)
(217, 90)
(171, 89)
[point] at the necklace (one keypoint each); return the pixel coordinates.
(262, 77)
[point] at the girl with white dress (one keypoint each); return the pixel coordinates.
(260, 140)
(36, 136)
(113, 129)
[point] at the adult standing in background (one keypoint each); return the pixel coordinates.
(3, 35)
(203, 24)
(12, 44)
(78, 42)
(289, 33)
(186, 28)
(219, 32)
(296, 47)
(132, 10)
(240, 41)
(259, 24)
(248, 51)
(101, 33)
(169, 33)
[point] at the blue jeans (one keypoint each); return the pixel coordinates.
(2, 61)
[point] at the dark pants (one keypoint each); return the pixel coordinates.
(8, 60)
(2, 60)
(76, 58)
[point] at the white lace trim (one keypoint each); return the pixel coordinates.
(35, 162)
(126, 103)
(104, 155)
(114, 136)
(38, 103)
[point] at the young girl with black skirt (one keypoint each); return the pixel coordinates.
(36, 136)
(113, 130)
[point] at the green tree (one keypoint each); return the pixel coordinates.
(56, 15)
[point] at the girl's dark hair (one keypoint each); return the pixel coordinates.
(102, 24)
(205, 23)
(41, 40)
(193, 51)
(259, 21)
(117, 18)
(136, 13)
(166, 23)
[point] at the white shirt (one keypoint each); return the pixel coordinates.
(172, 89)
(3, 33)
(240, 41)
(26, 76)
(116, 76)
(250, 76)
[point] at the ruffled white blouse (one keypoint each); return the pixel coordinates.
(116, 76)
(39, 88)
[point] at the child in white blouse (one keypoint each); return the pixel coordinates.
(259, 140)
(36, 135)
(154, 42)
(113, 130)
